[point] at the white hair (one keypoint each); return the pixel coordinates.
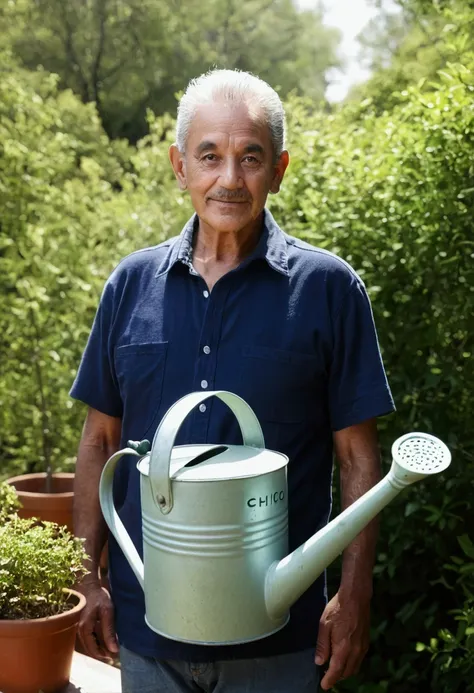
(237, 86)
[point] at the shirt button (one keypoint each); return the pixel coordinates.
(206, 349)
(205, 294)
(204, 384)
(202, 408)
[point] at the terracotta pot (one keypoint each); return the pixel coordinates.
(36, 654)
(53, 507)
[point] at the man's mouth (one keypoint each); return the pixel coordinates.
(228, 202)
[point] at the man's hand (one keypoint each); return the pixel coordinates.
(96, 627)
(343, 637)
(100, 439)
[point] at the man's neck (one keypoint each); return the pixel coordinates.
(226, 248)
(216, 252)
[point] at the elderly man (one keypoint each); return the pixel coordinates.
(233, 303)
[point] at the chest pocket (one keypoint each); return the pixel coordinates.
(282, 386)
(140, 373)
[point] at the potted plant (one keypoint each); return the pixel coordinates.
(47, 495)
(40, 562)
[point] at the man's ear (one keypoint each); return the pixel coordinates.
(179, 166)
(279, 171)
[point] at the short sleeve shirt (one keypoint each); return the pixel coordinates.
(291, 331)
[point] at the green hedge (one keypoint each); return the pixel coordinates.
(392, 194)
(71, 208)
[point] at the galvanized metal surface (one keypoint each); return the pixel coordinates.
(210, 556)
(165, 436)
(207, 542)
(226, 462)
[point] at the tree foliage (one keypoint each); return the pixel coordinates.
(130, 55)
(412, 45)
(71, 208)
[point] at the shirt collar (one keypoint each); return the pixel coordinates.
(271, 246)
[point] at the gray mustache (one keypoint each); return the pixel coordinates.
(229, 196)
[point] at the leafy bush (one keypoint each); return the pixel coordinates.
(50, 185)
(37, 562)
(71, 208)
(393, 195)
(453, 649)
(9, 502)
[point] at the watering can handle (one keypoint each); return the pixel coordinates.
(111, 517)
(163, 441)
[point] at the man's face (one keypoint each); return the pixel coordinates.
(229, 166)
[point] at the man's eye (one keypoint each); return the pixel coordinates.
(251, 159)
(209, 157)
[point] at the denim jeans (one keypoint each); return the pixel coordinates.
(288, 673)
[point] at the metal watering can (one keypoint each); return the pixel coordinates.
(215, 567)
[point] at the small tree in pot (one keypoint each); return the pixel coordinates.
(45, 494)
(39, 564)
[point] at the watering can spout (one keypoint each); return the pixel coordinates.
(415, 456)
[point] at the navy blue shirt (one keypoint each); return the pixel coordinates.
(291, 331)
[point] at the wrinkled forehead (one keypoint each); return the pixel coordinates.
(228, 123)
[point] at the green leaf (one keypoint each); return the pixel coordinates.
(466, 545)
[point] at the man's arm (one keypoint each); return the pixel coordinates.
(344, 628)
(100, 439)
(358, 455)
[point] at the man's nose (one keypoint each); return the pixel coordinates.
(231, 174)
